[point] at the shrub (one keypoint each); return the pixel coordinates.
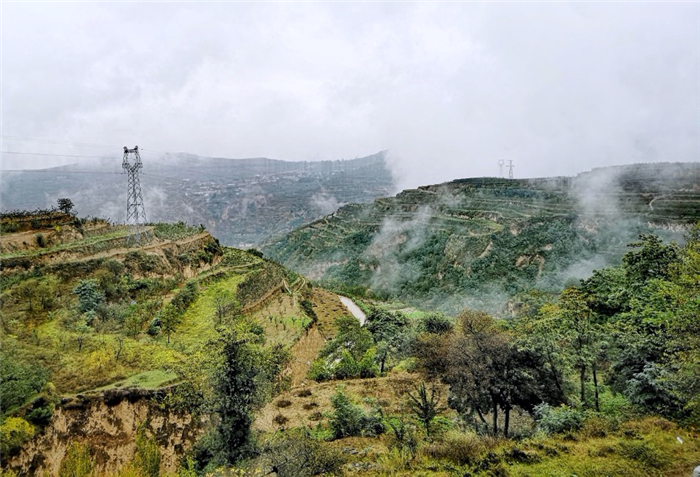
(14, 432)
(437, 324)
(310, 457)
(280, 420)
(90, 296)
(147, 457)
(308, 308)
(19, 381)
(283, 403)
(309, 405)
(318, 371)
(555, 420)
(304, 393)
(40, 240)
(350, 420)
(77, 462)
(459, 448)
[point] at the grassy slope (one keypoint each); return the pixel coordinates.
(109, 356)
(478, 242)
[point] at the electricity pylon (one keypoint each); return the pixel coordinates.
(135, 210)
(500, 168)
(510, 169)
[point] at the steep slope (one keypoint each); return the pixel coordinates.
(479, 242)
(94, 324)
(240, 201)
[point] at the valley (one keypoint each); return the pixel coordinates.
(240, 201)
(368, 349)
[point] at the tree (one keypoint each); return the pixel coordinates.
(582, 334)
(388, 331)
(82, 330)
(236, 394)
(486, 372)
(169, 319)
(475, 354)
(652, 259)
(426, 406)
(225, 304)
(65, 205)
(90, 295)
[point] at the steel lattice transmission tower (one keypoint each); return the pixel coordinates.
(510, 169)
(135, 210)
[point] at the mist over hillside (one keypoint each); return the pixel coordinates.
(241, 201)
(480, 242)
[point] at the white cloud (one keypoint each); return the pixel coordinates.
(448, 88)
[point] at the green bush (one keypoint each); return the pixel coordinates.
(319, 372)
(147, 457)
(77, 462)
(19, 381)
(14, 432)
(349, 419)
(555, 420)
(436, 323)
(90, 296)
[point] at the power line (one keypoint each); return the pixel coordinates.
(53, 155)
(58, 172)
(70, 143)
(57, 141)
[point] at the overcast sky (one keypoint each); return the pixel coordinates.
(448, 88)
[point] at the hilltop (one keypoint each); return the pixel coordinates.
(480, 242)
(241, 201)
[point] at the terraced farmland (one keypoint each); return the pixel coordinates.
(480, 242)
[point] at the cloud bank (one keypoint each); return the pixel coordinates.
(448, 88)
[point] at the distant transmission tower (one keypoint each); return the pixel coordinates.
(135, 210)
(510, 169)
(500, 168)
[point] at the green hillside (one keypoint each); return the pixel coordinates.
(480, 242)
(86, 309)
(177, 356)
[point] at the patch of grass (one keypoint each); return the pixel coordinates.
(147, 380)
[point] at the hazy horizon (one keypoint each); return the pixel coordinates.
(447, 89)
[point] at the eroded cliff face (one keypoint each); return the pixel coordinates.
(108, 423)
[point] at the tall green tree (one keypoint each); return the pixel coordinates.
(236, 383)
(583, 335)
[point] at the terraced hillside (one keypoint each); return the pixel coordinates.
(93, 322)
(480, 242)
(241, 201)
